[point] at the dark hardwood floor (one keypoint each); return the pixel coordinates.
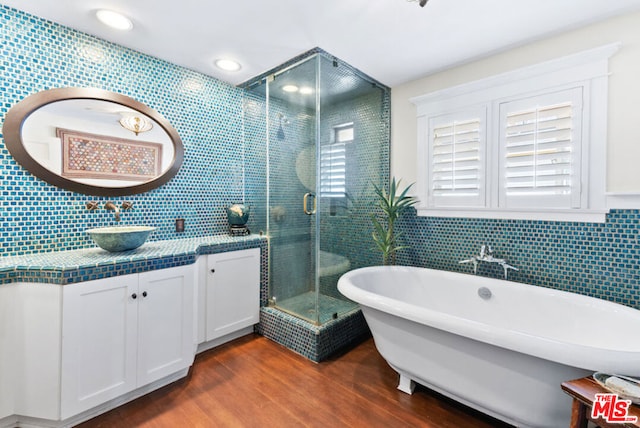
(254, 382)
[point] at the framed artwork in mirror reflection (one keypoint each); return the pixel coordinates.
(87, 155)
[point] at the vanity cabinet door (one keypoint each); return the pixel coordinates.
(99, 339)
(165, 322)
(233, 292)
(122, 333)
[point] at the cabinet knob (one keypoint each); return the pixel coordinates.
(134, 296)
(213, 271)
(144, 294)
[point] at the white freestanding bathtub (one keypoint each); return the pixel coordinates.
(498, 346)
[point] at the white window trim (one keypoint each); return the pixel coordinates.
(589, 69)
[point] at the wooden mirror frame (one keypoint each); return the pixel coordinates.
(12, 132)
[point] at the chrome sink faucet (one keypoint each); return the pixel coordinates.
(486, 255)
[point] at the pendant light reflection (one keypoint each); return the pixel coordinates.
(136, 124)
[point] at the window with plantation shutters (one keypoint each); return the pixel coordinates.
(529, 143)
(456, 159)
(333, 162)
(540, 148)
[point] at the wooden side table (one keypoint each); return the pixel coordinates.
(583, 392)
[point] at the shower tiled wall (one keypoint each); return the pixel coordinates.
(207, 114)
(347, 232)
(596, 259)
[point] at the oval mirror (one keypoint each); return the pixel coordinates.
(93, 141)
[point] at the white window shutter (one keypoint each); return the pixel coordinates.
(333, 162)
(333, 170)
(457, 152)
(540, 151)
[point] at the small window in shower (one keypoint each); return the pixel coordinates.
(333, 162)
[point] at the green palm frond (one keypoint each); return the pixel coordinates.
(393, 204)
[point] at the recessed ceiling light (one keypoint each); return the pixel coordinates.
(114, 19)
(227, 64)
(290, 88)
(306, 90)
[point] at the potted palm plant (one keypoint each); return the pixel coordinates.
(393, 204)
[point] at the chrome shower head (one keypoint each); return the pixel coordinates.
(283, 119)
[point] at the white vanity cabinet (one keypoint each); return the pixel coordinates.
(232, 294)
(122, 333)
(71, 352)
(7, 362)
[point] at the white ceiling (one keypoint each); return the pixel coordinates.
(393, 41)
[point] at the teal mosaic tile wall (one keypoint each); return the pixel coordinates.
(207, 114)
(600, 260)
(595, 259)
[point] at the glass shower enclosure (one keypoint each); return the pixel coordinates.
(321, 130)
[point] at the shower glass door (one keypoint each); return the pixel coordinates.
(292, 112)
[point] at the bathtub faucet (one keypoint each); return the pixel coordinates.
(485, 251)
(486, 255)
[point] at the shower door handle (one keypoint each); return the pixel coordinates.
(305, 203)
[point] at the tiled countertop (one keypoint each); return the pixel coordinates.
(64, 267)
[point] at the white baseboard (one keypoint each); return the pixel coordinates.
(224, 339)
(29, 422)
